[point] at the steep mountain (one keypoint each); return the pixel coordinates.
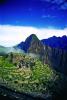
(56, 53)
(54, 42)
(32, 45)
(20, 45)
(53, 51)
(28, 42)
(56, 58)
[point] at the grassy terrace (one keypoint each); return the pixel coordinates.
(39, 78)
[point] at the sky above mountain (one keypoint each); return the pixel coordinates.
(20, 18)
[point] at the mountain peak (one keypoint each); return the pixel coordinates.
(32, 37)
(33, 45)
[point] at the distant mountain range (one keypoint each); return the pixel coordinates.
(54, 42)
(52, 51)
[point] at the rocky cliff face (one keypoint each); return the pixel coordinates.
(56, 58)
(52, 51)
(36, 46)
(56, 53)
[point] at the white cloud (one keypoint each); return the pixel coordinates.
(12, 35)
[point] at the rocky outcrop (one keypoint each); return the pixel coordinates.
(55, 49)
(56, 58)
(36, 47)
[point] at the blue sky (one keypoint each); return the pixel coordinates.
(40, 15)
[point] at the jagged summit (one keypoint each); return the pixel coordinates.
(32, 42)
(33, 36)
(32, 45)
(25, 45)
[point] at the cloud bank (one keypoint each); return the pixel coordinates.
(12, 35)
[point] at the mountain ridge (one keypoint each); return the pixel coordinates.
(54, 42)
(52, 51)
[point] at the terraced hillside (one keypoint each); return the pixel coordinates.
(29, 77)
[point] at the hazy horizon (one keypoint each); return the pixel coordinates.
(12, 35)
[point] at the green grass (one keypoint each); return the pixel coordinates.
(36, 79)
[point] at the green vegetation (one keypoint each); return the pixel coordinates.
(37, 78)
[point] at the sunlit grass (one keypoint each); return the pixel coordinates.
(25, 79)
